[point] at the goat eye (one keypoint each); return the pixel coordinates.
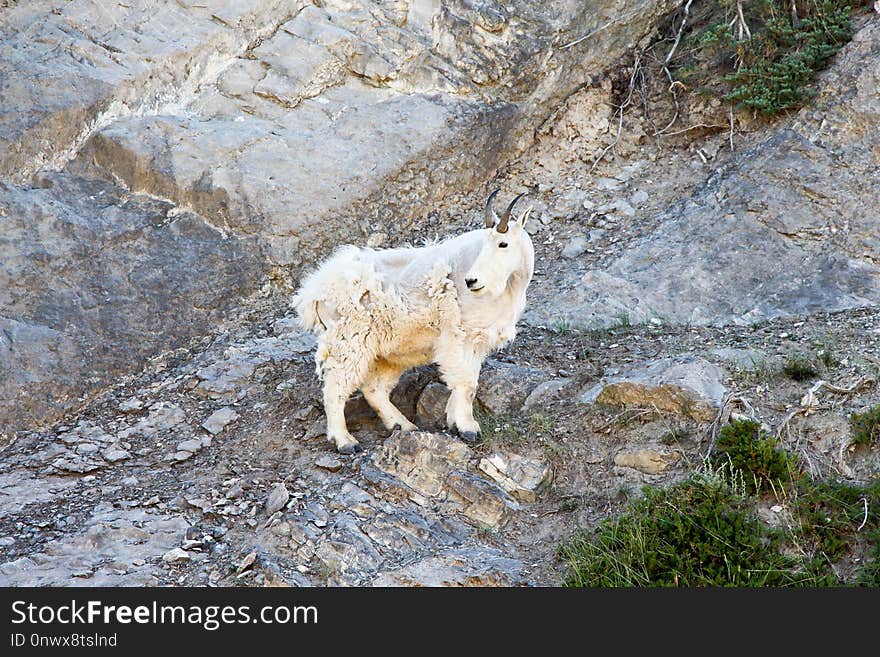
(502, 245)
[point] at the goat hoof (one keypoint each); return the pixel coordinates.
(353, 448)
(470, 437)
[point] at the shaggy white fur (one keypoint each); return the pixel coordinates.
(378, 313)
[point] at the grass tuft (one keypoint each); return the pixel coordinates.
(799, 368)
(865, 426)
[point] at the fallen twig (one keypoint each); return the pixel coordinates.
(673, 84)
(865, 519)
(625, 417)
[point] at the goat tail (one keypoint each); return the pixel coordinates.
(307, 311)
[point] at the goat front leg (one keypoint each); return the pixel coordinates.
(460, 370)
(377, 387)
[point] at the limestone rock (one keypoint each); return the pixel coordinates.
(176, 554)
(457, 567)
(784, 232)
(113, 454)
(218, 420)
(687, 386)
(502, 388)
(277, 499)
(574, 247)
(162, 417)
(545, 392)
(118, 546)
(422, 460)
(482, 502)
(646, 460)
(191, 445)
(436, 467)
(431, 406)
(328, 462)
(520, 476)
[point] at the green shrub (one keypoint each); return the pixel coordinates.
(696, 533)
(865, 426)
(772, 71)
(703, 532)
(829, 514)
(748, 449)
(783, 60)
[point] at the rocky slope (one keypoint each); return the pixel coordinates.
(164, 186)
(262, 132)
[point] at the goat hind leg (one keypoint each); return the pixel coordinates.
(338, 386)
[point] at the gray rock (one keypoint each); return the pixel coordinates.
(76, 464)
(457, 567)
(435, 467)
(784, 231)
(278, 498)
(106, 544)
(328, 462)
(687, 386)
(522, 477)
(141, 287)
(162, 417)
(113, 454)
(638, 197)
(176, 554)
(618, 206)
(131, 405)
(226, 379)
(574, 247)
(502, 387)
(607, 184)
(545, 392)
(193, 445)
(218, 420)
(483, 502)
(431, 406)
(422, 460)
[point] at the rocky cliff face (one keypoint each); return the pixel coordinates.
(168, 169)
(785, 226)
(160, 160)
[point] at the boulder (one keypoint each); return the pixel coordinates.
(687, 386)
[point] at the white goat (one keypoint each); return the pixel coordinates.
(378, 313)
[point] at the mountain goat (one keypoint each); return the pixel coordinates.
(378, 313)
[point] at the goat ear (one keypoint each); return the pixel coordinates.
(525, 216)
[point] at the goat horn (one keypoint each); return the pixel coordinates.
(502, 225)
(489, 216)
